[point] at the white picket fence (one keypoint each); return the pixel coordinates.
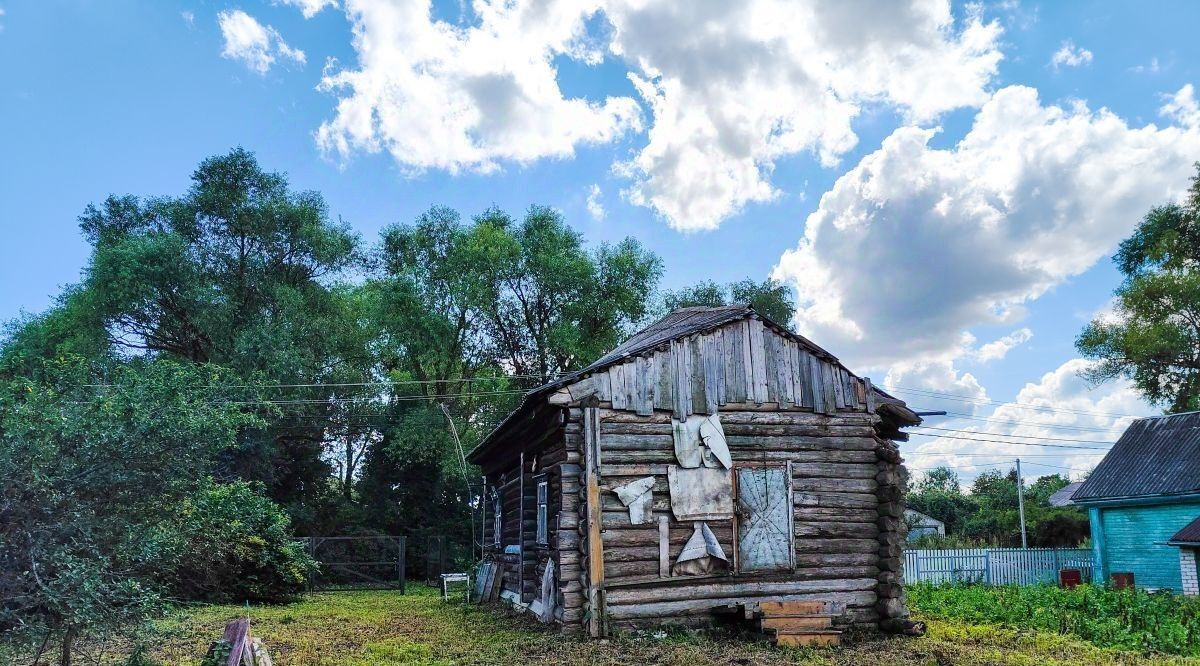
(995, 566)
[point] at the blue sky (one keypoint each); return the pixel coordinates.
(715, 136)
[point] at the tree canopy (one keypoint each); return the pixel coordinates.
(769, 297)
(1153, 334)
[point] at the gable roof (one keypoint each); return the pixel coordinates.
(1188, 536)
(1156, 456)
(1065, 495)
(677, 324)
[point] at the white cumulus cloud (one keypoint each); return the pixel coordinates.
(916, 245)
(729, 88)
(255, 45)
(1070, 55)
(436, 95)
(1066, 420)
(309, 8)
(1182, 107)
(734, 87)
(999, 348)
(594, 207)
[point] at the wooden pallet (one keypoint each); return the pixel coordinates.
(798, 623)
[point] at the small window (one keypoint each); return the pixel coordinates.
(497, 523)
(543, 504)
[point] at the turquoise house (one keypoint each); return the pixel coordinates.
(1143, 502)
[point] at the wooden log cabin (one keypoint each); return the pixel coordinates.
(714, 461)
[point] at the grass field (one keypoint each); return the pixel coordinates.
(385, 628)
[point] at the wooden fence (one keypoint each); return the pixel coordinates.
(995, 566)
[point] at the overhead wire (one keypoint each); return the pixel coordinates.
(1052, 439)
(1022, 405)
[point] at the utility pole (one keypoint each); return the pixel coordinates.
(1021, 503)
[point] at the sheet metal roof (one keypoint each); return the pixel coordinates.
(1189, 535)
(1157, 456)
(1065, 495)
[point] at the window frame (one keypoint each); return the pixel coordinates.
(542, 504)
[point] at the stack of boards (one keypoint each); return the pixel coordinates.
(797, 623)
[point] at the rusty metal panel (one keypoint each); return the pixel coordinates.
(765, 528)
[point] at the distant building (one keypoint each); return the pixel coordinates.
(920, 525)
(1143, 502)
(1064, 497)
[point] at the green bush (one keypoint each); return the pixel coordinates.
(1125, 619)
(235, 545)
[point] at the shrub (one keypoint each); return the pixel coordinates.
(1125, 619)
(236, 545)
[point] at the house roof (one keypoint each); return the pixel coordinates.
(1064, 496)
(677, 324)
(1155, 457)
(1188, 536)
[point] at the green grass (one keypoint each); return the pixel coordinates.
(385, 629)
(1130, 620)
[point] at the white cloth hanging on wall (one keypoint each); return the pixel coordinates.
(701, 554)
(639, 497)
(700, 442)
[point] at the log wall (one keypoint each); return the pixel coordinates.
(835, 511)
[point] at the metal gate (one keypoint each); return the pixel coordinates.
(357, 563)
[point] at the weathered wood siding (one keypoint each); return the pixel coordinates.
(745, 362)
(834, 464)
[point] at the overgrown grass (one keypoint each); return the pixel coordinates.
(1130, 620)
(387, 629)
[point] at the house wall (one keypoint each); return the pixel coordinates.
(1187, 571)
(1135, 539)
(836, 531)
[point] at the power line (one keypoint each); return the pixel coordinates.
(1052, 439)
(1024, 405)
(1059, 426)
(997, 441)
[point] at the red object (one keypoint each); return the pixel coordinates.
(1069, 578)
(1122, 580)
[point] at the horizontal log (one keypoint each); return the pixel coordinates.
(794, 443)
(731, 587)
(836, 546)
(610, 502)
(836, 499)
(812, 485)
(836, 559)
(614, 571)
(692, 607)
(847, 515)
(836, 530)
(648, 535)
(833, 470)
(630, 553)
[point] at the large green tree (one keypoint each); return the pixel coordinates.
(240, 271)
(1153, 335)
(98, 462)
(769, 297)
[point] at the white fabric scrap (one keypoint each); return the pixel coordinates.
(639, 497)
(700, 442)
(701, 554)
(703, 493)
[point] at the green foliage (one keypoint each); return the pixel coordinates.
(1154, 331)
(770, 298)
(988, 515)
(1131, 620)
(232, 544)
(95, 460)
(523, 295)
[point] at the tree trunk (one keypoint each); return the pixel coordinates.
(68, 644)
